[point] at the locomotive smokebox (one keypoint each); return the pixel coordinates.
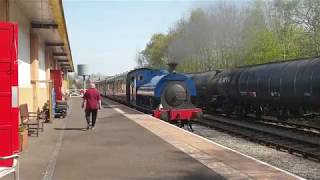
(172, 67)
(175, 95)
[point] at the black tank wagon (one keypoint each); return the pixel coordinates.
(282, 89)
(206, 92)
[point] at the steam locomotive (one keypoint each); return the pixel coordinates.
(167, 94)
(283, 89)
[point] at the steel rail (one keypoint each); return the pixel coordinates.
(289, 144)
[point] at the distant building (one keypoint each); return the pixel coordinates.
(43, 45)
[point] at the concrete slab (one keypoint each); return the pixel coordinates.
(118, 148)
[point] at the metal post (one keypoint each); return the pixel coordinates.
(84, 80)
(50, 102)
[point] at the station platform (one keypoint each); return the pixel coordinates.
(127, 144)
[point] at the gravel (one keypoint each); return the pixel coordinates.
(297, 165)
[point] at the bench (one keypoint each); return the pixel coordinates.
(31, 120)
(4, 171)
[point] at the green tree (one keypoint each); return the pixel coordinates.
(264, 48)
(156, 51)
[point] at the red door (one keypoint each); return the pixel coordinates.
(56, 77)
(9, 111)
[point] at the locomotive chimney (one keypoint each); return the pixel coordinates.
(172, 67)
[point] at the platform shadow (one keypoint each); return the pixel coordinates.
(105, 106)
(71, 129)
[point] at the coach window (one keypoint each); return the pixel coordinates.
(141, 78)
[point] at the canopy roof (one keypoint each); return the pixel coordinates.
(47, 18)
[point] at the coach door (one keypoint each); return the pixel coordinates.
(133, 92)
(9, 117)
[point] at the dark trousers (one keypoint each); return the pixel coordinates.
(93, 114)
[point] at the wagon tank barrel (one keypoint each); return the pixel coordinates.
(281, 89)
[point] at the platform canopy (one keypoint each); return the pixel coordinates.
(47, 17)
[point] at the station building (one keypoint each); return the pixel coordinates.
(43, 46)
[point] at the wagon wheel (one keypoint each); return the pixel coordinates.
(282, 115)
(259, 112)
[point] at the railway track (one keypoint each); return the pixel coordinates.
(286, 129)
(293, 125)
(267, 120)
(295, 142)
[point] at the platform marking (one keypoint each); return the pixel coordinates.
(208, 140)
(54, 156)
(119, 110)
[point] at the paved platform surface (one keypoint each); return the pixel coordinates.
(129, 145)
(118, 148)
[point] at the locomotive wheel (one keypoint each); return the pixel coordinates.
(180, 124)
(243, 112)
(228, 109)
(258, 115)
(164, 116)
(199, 115)
(190, 125)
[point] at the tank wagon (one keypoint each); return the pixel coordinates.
(167, 94)
(206, 94)
(283, 89)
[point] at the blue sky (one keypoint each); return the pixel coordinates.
(107, 34)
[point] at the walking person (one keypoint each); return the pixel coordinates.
(91, 103)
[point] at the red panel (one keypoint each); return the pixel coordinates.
(6, 41)
(6, 146)
(5, 69)
(9, 119)
(184, 114)
(178, 114)
(57, 77)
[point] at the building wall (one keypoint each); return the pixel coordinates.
(34, 58)
(65, 85)
(4, 10)
(30, 68)
(42, 66)
(48, 62)
(18, 16)
(42, 97)
(26, 97)
(38, 71)
(43, 92)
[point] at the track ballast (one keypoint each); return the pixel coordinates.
(294, 141)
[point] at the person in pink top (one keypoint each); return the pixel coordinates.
(91, 103)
